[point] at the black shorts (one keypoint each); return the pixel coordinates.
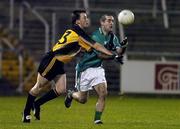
(50, 67)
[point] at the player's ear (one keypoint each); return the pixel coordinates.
(77, 22)
(101, 22)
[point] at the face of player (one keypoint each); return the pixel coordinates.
(107, 25)
(83, 21)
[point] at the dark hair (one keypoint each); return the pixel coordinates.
(103, 17)
(76, 15)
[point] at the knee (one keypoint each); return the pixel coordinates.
(103, 94)
(83, 100)
(36, 89)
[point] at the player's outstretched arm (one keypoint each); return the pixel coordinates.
(117, 58)
(102, 49)
(105, 56)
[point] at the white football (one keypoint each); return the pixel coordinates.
(126, 17)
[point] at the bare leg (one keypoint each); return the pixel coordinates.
(61, 84)
(60, 87)
(101, 90)
(32, 96)
(40, 83)
(80, 97)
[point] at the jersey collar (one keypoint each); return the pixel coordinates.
(101, 32)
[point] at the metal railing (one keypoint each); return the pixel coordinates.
(11, 14)
(165, 14)
(34, 11)
(39, 17)
(25, 5)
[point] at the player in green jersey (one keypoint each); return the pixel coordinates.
(90, 72)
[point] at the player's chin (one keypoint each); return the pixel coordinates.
(110, 29)
(86, 26)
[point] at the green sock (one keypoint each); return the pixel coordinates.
(97, 115)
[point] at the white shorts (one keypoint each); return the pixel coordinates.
(89, 78)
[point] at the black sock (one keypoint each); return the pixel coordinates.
(47, 97)
(29, 103)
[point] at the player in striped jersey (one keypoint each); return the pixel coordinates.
(68, 46)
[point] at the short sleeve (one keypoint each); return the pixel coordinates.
(84, 40)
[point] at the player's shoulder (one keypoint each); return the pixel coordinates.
(96, 32)
(78, 30)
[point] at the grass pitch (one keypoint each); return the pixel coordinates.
(120, 113)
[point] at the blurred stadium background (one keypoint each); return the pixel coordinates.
(29, 28)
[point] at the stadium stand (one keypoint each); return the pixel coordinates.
(147, 34)
(10, 62)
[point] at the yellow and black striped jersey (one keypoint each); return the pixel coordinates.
(71, 43)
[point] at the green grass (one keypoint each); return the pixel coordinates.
(120, 113)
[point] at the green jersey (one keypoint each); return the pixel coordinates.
(90, 59)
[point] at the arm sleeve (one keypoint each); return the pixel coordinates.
(85, 41)
(87, 38)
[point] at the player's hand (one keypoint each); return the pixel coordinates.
(119, 59)
(124, 43)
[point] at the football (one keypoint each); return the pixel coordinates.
(126, 17)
